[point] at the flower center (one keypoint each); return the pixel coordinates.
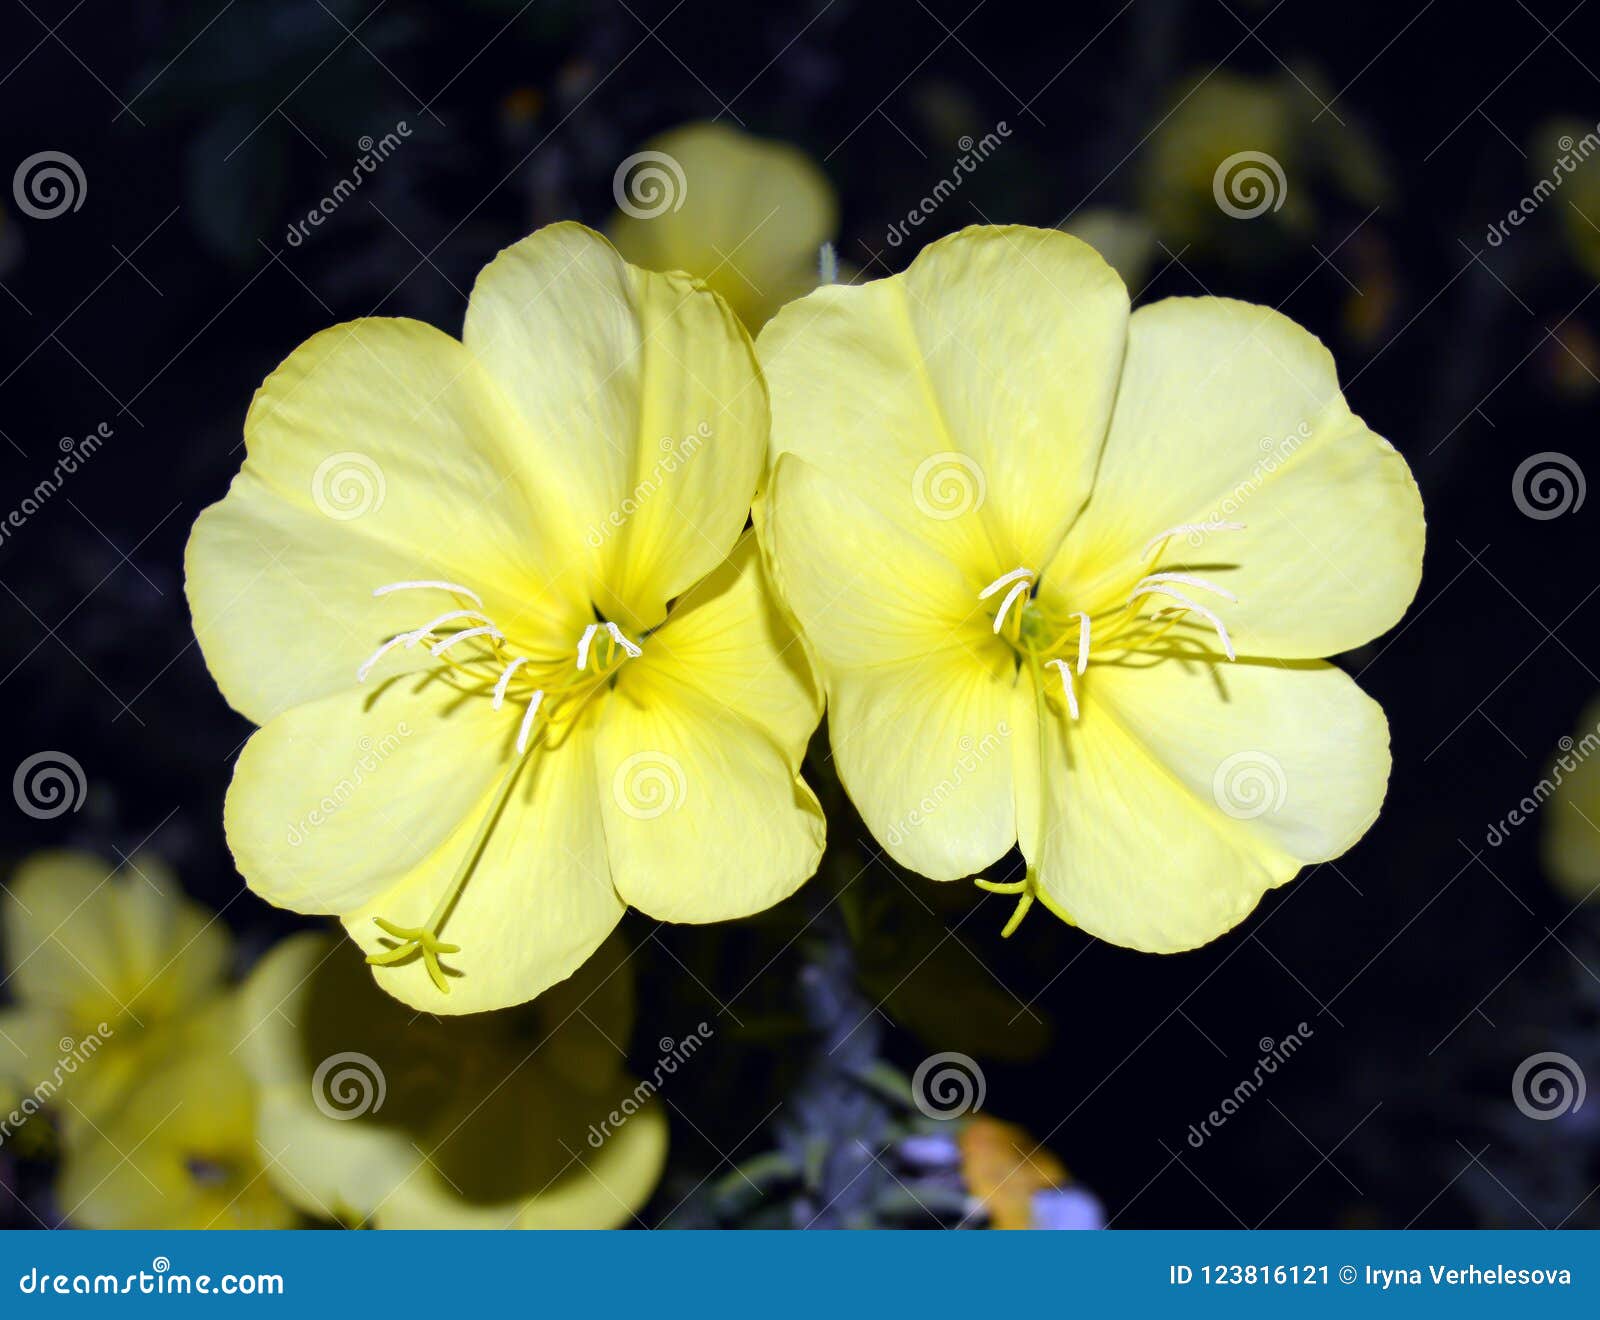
(1044, 639)
(474, 649)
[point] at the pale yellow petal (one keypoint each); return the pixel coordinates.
(929, 393)
(645, 413)
(1232, 413)
(379, 452)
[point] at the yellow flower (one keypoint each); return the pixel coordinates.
(1570, 843)
(377, 1117)
(441, 585)
(745, 215)
(179, 1149)
(1026, 536)
(105, 962)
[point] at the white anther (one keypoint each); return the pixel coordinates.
(1161, 538)
(417, 634)
(1201, 610)
(623, 642)
(527, 722)
(1083, 639)
(1066, 684)
(505, 680)
(1000, 581)
(486, 630)
(455, 587)
(1189, 579)
(584, 643)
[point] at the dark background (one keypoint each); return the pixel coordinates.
(1427, 964)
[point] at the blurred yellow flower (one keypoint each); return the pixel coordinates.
(441, 585)
(106, 963)
(745, 215)
(1235, 147)
(1566, 155)
(178, 1150)
(1026, 537)
(377, 1117)
(1571, 838)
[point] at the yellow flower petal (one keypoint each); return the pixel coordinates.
(745, 215)
(706, 817)
(1186, 791)
(539, 900)
(1229, 412)
(379, 447)
(377, 1117)
(645, 414)
(970, 426)
(333, 801)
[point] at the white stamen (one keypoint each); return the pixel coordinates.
(623, 642)
(1000, 581)
(456, 587)
(1201, 610)
(1066, 684)
(1018, 589)
(527, 722)
(487, 630)
(1162, 537)
(415, 636)
(584, 643)
(1191, 580)
(505, 680)
(1083, 639)
(371, 660)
